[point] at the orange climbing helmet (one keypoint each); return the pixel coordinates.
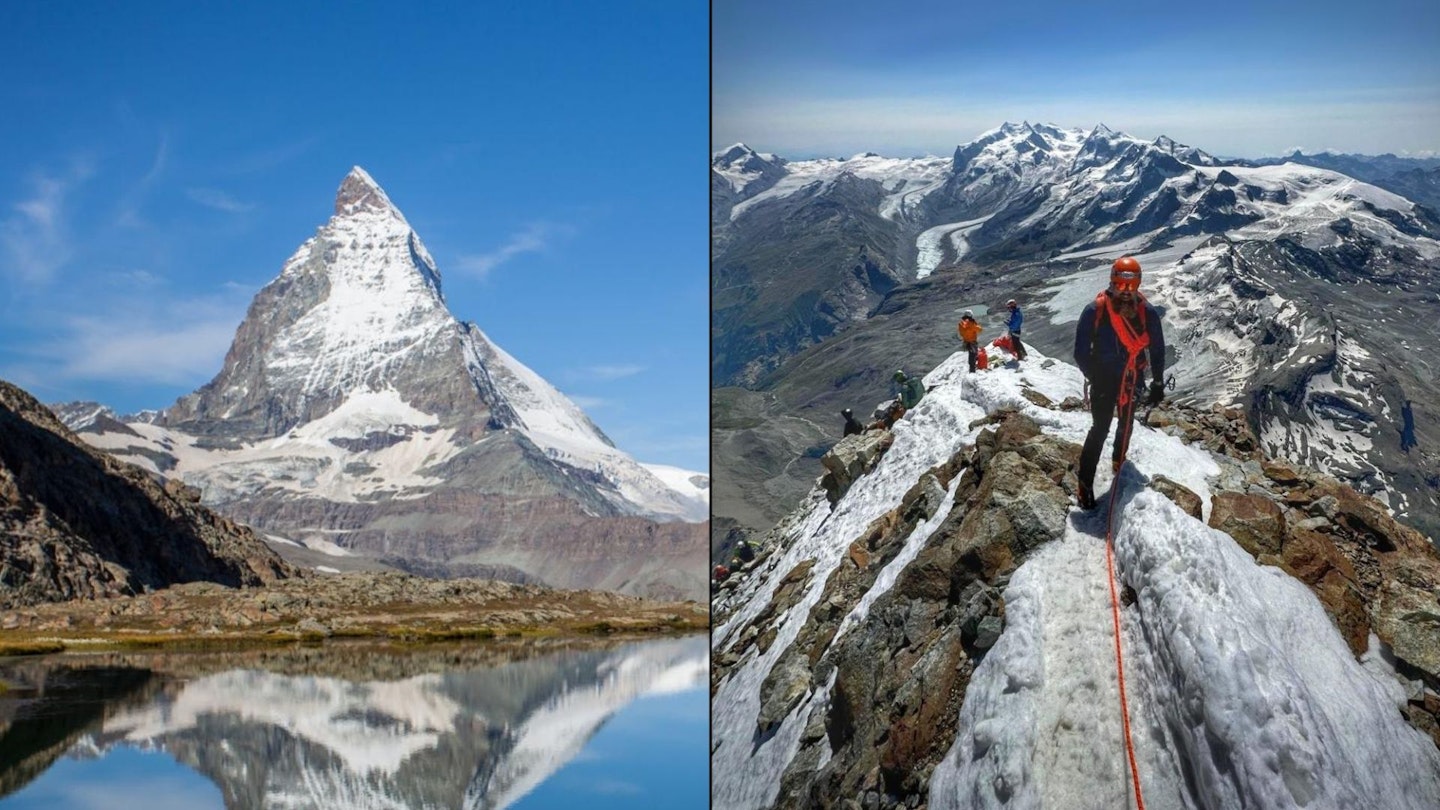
(1125, 274)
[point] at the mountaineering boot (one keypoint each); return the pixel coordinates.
(1084, 497)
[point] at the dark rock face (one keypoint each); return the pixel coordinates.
(75, 523)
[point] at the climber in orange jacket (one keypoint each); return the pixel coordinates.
(969, 330)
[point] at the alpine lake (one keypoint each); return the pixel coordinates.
(548, 723)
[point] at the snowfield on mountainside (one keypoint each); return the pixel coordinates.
(1241, 691)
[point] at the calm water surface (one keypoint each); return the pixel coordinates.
(348, 726)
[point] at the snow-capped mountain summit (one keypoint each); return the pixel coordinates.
(352, 396)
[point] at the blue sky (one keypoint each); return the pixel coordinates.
(1244, 79)
(159, 162)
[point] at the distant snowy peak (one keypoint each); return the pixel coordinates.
(743, 168)
(357, 307)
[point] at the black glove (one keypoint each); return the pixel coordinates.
(1157, 394)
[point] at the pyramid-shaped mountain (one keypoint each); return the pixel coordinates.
(356, 417)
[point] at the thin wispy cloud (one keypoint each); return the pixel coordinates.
(34, 236)
(588, 403)
(146, 340)
(534, 238)
(615, 372)
(219, 200)
(271, 158)
(167, 354)
(129, 211)
(135, 279)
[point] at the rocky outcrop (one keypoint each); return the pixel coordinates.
(851, 458)
(76, 523)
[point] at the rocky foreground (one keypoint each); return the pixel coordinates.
(76, 523)
(360, 605)
(900, 680)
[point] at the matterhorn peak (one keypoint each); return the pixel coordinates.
(359, 192)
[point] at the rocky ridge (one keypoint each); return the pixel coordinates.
(900, 678)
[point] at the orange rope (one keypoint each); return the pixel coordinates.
(1124, 438)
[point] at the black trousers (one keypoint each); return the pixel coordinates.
(1104, 395)
(1019, 348)
(972, 349)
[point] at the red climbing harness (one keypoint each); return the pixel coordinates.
(1134, 345)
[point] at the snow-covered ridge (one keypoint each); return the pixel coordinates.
(1109, 185)
(906, 180)
(1242, 692)
(382, 303)
(1219, 336)
(560, 428)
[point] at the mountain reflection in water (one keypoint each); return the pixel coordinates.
(340, 726)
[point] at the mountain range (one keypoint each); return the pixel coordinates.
(1299, 294)
(357, 422)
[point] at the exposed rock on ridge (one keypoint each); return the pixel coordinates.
(75, 523)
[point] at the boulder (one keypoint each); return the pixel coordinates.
(1182, 496)
(1257, 523)
(1407, 617)
(850, 458)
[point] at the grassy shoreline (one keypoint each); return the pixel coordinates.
(25, 643)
